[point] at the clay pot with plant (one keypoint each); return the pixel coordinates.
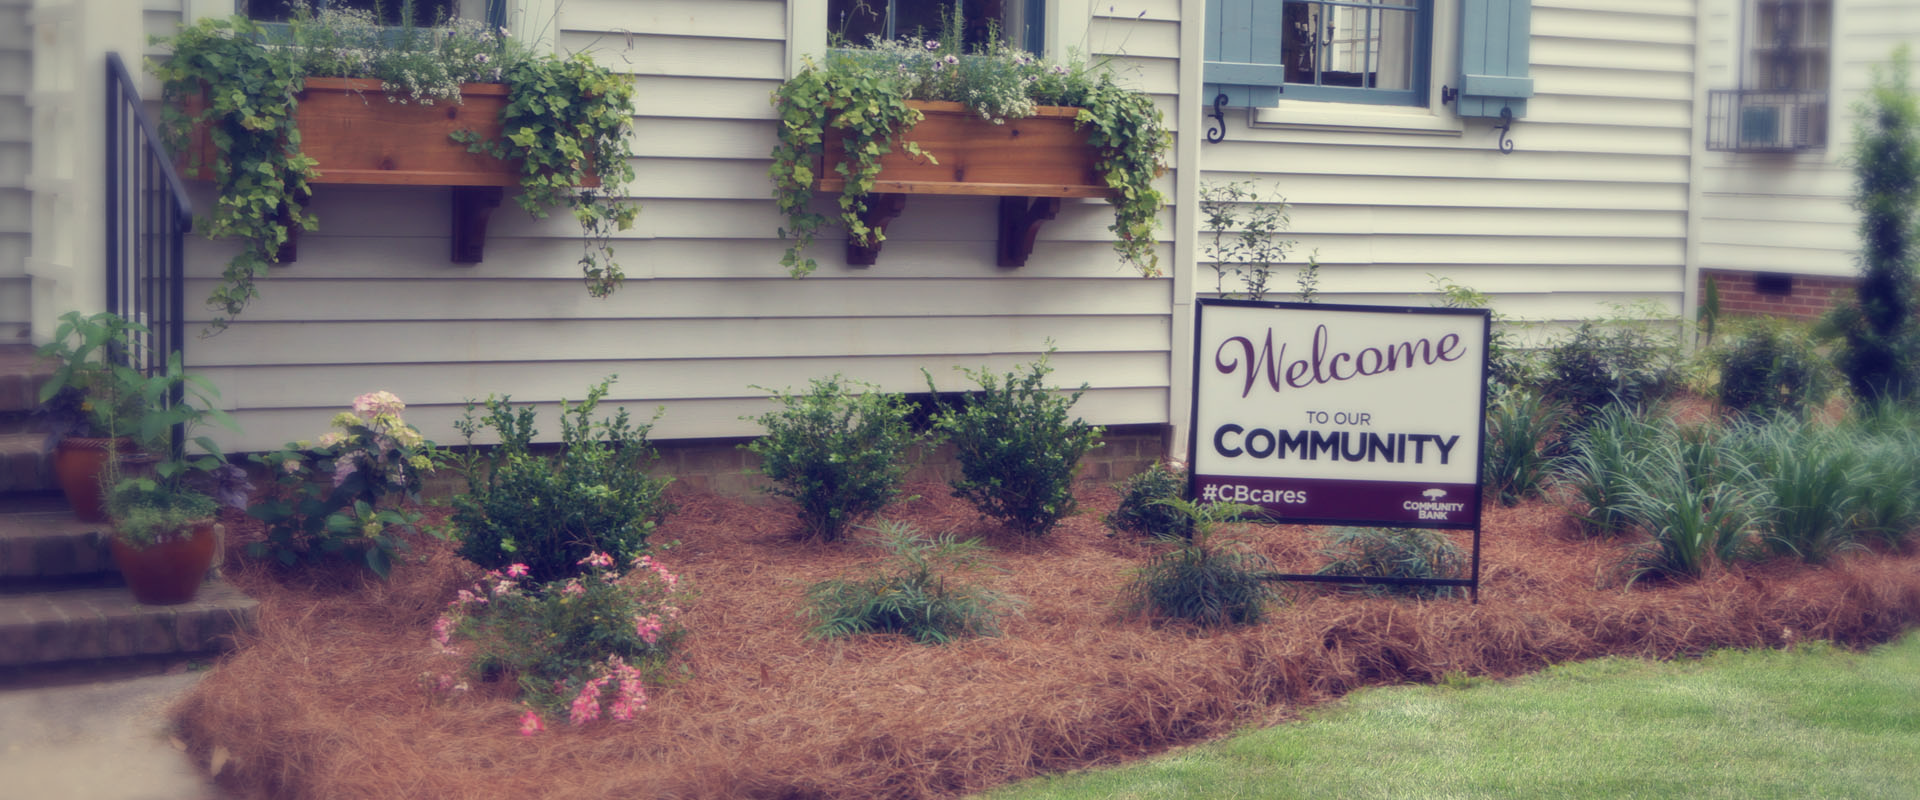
(90, 407)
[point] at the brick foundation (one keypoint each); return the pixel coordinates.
(1798, 297)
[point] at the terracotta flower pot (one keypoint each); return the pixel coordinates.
(77, 464)
(170, 572)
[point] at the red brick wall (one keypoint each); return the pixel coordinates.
(1807, 299)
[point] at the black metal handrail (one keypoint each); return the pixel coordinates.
(148, 219)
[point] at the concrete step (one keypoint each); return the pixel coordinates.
(105, 622)
(41, 544)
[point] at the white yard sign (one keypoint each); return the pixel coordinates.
(1340, 414)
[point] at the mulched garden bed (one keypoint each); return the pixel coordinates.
(335, 695)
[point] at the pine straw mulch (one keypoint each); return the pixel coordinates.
(327, 698)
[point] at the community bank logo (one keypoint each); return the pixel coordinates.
(1432, 508)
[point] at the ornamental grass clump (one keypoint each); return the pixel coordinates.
(1017, 446)
(1394, 553)
(917, 592)
(1696, 521)
(1210, 580)
(344, 493)
(1807, 486)
(834, 452)
(1606, 456)
(581, 649)
(1522, 428)
(549, 512)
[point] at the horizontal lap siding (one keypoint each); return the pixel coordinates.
(16, 151)
(1589, 209)
(1792, 212)
(707, 313)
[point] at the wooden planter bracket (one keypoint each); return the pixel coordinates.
(472, 207)
(1020, 221)
(881, 210)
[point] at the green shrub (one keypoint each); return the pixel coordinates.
(573, 645)
(549, 512)
(835, 453)
(1208, 580)
(916, 593)
(1521, 429)
(1879, 339)
(1143, 508)
(1395, 553)
(1017, 447)
(1770, 369)
(1602, 364)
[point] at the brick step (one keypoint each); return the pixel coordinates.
(41, 542)
(26, 463)
(101, 623)
(21, 373)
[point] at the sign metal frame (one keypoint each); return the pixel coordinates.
(1196, 439)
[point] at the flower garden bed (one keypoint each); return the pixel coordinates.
(335, 694)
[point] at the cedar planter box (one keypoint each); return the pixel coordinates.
(1029, 163)
(356, 136)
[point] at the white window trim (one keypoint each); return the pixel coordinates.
(1067, 24)
(534, 21)
(1433, 120)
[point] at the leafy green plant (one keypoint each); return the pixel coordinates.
(340, 495)
(1210, 579)
(240, 82)
(92, 392)
(1880, 341)
(834, 452)
(1602, 364)
(1017, 447)
(1695, 524)
(1244, 226)
(1521, 429)
(550, 512)
(1394, 553)
(917, 593)
(1889, 486)
(188, 476)
(580, 647)
(1144, 508)
(863, 92)
(1768, 368)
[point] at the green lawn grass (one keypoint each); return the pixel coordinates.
(1812, 722)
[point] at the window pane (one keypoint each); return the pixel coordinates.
(425, 12)
(1365, 44)
(854, 22)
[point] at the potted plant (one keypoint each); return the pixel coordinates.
(90, 405)
(333, 97)
(165, 536)
(923, 117)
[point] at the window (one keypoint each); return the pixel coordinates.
(1356, 51)
(1016, 22)
(1781, 105)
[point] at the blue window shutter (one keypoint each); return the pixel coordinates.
(1243, 52)
(1494, 37)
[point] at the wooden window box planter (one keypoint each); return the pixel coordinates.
(356, 136)
(1029, 163)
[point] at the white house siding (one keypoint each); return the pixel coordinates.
(1589, 209)
(16, 156)
(707, 312)
(1791, 213)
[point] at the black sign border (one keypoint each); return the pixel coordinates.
(1479, 463)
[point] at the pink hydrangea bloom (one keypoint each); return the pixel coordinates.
(373, 404)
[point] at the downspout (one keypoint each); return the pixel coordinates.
(1184, 229)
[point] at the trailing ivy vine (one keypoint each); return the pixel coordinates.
(566, 121)
(863, 93)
